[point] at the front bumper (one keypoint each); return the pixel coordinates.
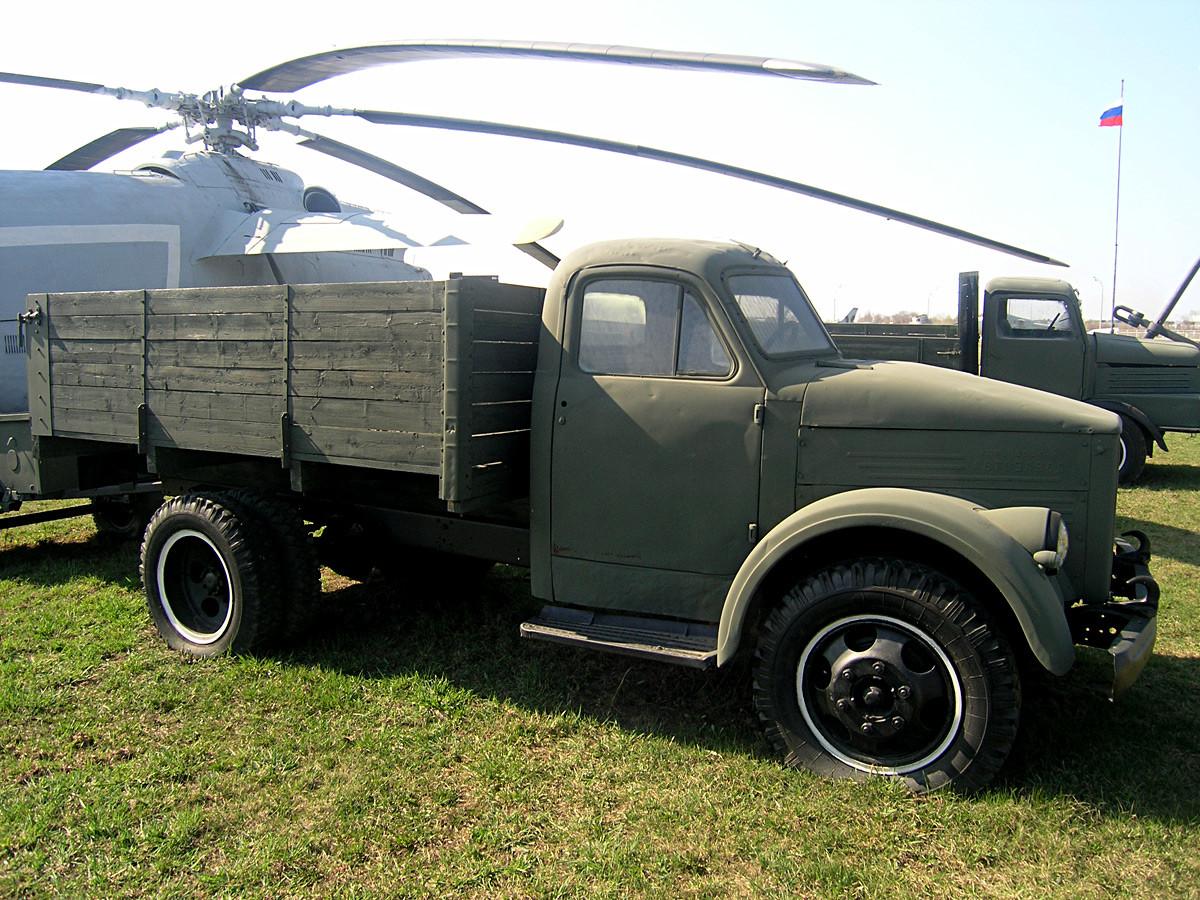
(1125, 628)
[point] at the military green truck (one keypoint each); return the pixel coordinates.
(667, 438)
(1032, 332)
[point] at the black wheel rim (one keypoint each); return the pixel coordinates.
(879, 694)
(194, 587)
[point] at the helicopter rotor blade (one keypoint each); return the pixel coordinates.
(390, 170)
(382, 117)
(308, 70)
(106, 146)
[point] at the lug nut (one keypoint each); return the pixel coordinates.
(867, 728)
(879, 668)
(903, 691)
(898, 722)
(847, 674)
(843, 704)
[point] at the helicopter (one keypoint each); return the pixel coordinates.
(221, 216)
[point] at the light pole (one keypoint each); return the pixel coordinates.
(1100, 285)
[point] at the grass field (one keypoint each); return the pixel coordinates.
(415, 747)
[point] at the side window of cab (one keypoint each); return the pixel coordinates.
(646, 327)
(1036, 317)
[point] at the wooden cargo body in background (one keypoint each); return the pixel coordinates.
(421, 377)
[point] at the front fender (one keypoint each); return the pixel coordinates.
(957, 524)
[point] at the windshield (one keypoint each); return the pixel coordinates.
(780, 317)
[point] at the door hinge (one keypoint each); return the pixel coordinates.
(752, 532)
(760, 413)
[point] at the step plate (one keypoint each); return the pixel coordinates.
(680, 643)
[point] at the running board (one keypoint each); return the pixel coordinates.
(681, 643)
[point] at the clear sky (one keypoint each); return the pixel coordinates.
(986, 116)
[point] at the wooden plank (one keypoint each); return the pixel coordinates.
(503, 357)
(91, 328)
(371, 415)
(399, 450)
(365, 357)
(230, 409)
(247, 326)
(416, 387)
(123, 426)
(491, 418)
(97, 353)
(395, 296)
(216, 354)
(241, 381)
(96, 375)
(485, 294)
(383, 326)
(109, 399)
(496, 387)
(96, 303)
(199, 434)
(511, 447)
(216, 300)
(494, 326)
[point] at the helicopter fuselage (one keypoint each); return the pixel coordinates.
(170, 223)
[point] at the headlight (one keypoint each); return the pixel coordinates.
(1056, 538)
(1039, 530)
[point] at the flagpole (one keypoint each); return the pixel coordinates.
(1117, 222)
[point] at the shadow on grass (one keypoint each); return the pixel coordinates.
(53, 561)
(1160, 476)
(1140, 755)
(1166, 541)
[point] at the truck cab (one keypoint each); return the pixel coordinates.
(1034, 334)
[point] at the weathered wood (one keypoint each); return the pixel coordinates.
(216, 354)
(414, 387)
(368, 357)
(354, 374)
(380, 449)
(491, 418)
(372, 415)
(91, 328)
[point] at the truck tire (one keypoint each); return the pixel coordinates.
(123, 518)
(883, 667)
(206, 579)
(298, 582)
(1133, 451)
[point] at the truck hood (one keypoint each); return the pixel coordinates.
(1126, 350)
(850, 394)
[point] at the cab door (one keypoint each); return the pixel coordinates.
(655, 451)
(1035, 341)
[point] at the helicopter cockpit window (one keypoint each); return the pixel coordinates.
(640, 327)
(319, 200)
(780, 317)
(1036, 317)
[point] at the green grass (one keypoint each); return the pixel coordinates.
(415, 747)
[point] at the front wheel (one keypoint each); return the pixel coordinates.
(882, 667)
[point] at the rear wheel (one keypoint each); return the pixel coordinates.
(882, 667)
(203, 574)
(124, 518)
(1133, 451)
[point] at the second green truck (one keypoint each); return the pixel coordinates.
(1032, 332)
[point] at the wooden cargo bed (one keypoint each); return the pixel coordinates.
(422, 377)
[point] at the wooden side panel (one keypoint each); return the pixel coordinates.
(94, 365)
(366, 375)
(491, 346)
(431, 377)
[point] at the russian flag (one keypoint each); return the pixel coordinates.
(1112, 115)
